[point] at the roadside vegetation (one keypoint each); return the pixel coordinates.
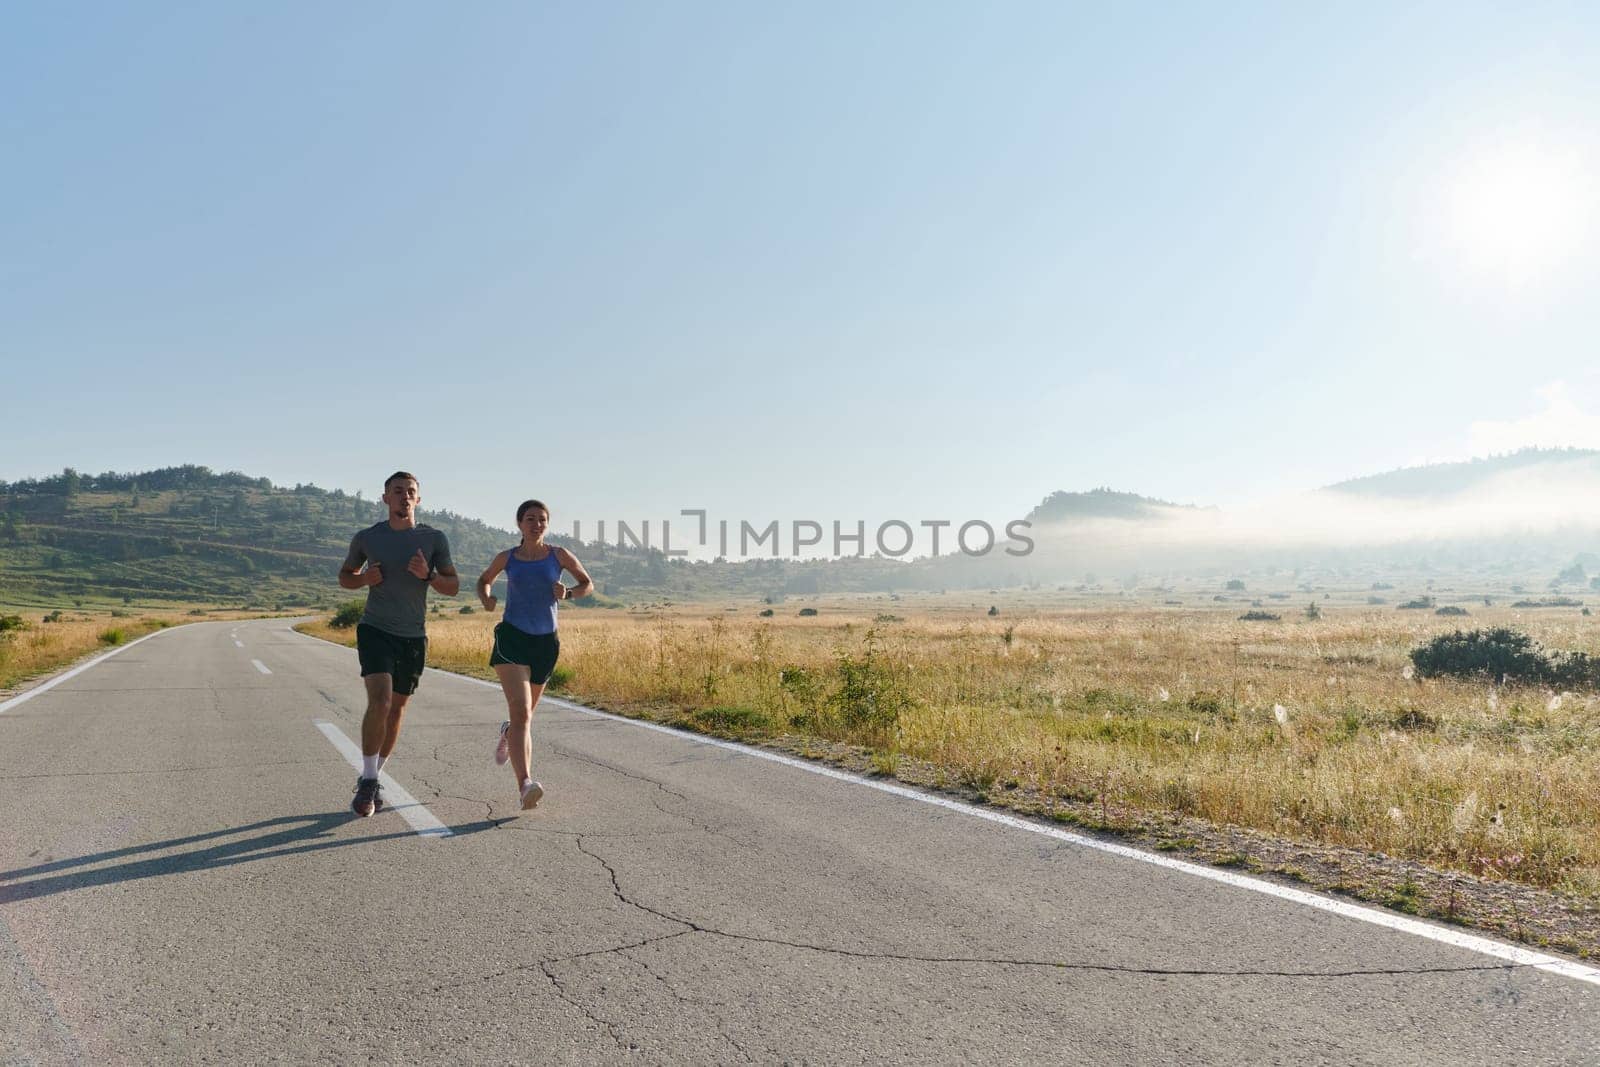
(38, 643)
(1323, 729)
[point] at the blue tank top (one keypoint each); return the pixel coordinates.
(530, 598)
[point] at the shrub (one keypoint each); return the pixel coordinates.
(348, 615)
(807, 612)
(1420, 603)
(869, 695)
(1451, 609)
(1548, 602)
(1502, 654)
(805, 689)
(1313, 611)
(11, 624)
(1235, 585)
(736, 721)
(1410, 718)
(560, 677)
(114, 636)
(468, 609)
(993, 610)
(1259, 616)
(766, 613)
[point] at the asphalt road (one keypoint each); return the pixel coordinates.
(181, 879)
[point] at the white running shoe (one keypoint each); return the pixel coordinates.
(531, 793)
(502, 748)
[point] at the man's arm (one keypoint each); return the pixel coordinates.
(351, 575)
(445, 581)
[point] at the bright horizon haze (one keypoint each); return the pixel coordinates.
(911, 261)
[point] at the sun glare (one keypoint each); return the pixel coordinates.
(1519, 212)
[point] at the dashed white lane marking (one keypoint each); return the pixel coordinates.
(237, 643)
(395, 795)
(1498, 950)
(262, 667)
(58, 679)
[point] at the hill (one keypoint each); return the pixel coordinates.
(188, 535)
(1446, 479)
(1102, 503)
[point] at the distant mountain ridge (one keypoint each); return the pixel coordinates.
(189, 534)
(1102, 503)
(1445, 479)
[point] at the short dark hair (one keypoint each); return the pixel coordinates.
(397, 475)
(522, 508)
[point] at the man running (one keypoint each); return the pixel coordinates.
(403, 561)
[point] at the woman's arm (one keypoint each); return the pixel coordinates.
(570, 564)
(486, 580)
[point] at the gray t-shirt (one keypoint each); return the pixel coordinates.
(398, 604)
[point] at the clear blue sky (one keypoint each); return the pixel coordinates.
(826, 261)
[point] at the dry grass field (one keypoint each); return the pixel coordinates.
(38, 646)
(1313, 729)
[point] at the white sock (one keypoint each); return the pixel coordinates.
(381, 761)
(526, 782)
(369, 766)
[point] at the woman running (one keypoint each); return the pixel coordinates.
(525, 642)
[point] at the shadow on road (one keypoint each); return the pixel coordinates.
(284, 836)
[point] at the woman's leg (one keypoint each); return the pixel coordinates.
(551, 647)
(534, 693)
(520, 697)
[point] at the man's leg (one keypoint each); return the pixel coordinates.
(391, 730)
(375, 724)
(380, 690)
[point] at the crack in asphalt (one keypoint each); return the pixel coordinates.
(440, 794)
(610, 1027)
(692, 927)
(663, 787)
(672, 990)
(561, 750)
(1055, 965)
(510, 822)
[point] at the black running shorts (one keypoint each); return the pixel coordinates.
(537, 652)
(401, 658)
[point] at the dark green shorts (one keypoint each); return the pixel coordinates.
(537, 652)
(402, 658)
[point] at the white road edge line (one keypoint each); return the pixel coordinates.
(1499, 950)
(58, 679)
(262, 667)
(395, 795)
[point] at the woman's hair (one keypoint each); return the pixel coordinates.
(522, 508)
